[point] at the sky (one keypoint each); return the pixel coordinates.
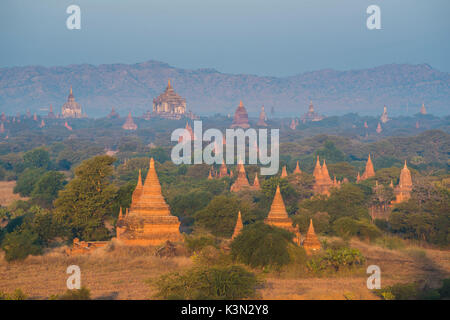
(262, 37)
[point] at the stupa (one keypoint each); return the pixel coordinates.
(369, 172)
(379, 129)
(129, 123)
(297, 169)
(403, 190)
(113, 114)
(191, 133)
(50, 114)
(284, 172)
(322, 178)
(293, 125)
(241, 180)
(2, 128)
(240, 119)
(311, 242)
(423, 110)
(384, 117)
(149, 222)
(71, 109)
(223, 172)
(262, 118)
(239, 226)
(278, 216)
(256, 185)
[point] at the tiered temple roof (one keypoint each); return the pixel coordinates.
(50, 114)
(113, 114)
(240, 119)
(311, 115)
(278, 216)
(379, 129)
(71, 109)
(223, 172)
(129, 123)
(311, 242)
(169, 104)
(149, 222)
(297, 169)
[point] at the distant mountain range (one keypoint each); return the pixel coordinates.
(402, 87)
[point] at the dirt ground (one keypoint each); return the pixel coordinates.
(6, 193)
(121, 273)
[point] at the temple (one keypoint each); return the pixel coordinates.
(241, 180)
(379, 129)
(311, 242)
(369, 172)
(113, 114)
(384, 117)
(293, 125)
(240, 119)
(311, 115)
(191, 134)
(322, 178)
(148, 221)
(169, 104)
(129, 123)
(2, 128)
(278, 216)
(239, 226)
(262, 118)
(284, 172)
(256, 185)
(50, 114)
(71, 109)
(403, 190)
(223, 172)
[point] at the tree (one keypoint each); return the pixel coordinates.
(47, 187)
(37, 158)
(86, 200)
(21, 243)
(27, 180)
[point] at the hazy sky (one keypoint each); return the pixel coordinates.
(264, 37)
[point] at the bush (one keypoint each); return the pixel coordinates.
(16, 295)
(76, 294)
(216, 283)
(21, 243)
(260, 245)
(444, 291)
(335, 260)
(347, 227)
(194, 243)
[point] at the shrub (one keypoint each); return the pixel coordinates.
(444, 291)
(194, 243)
(347, 227)
(224, 283)
(211, 256)
(392, 243)
(76, 294)
(335, 260)
(21, 243)
(260, 245)
(16, 295)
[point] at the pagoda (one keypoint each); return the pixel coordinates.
(169, 104)
(2, 128)
(129, 123)
(42, 124)
(240, 119)
(148, 221)
(239, 226)
(113, 114)
(223, 171)
(293, 125)
(311, 242)
(297, 169)
(262, 118)
(403, 190)
(379, 129)
(384, 117)
(423, 110)
(278, 216)
(191, 133)
(322, 178)
(71, 109)
(50, 114)
(311, 115)
(284, 172)
(241, 180)
(3, 117)
(369, 172)
(256, 185)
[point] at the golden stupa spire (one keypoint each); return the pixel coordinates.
(277, 209)
(239, 226)
(297, 169)
(284, 172)
(311, 242)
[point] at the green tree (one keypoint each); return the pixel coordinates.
(27, 181)
(47, 187)
(37, 158)
(21, 243)
(86, 200)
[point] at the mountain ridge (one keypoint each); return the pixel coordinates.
(132, 87)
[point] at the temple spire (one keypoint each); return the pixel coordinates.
(311, 243)
(239, 226)
(297, 169)
(284, 172)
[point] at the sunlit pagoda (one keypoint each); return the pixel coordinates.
(240, 119)
(311, 115)
(169, 104)
(148, 222)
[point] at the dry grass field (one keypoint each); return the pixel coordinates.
(121, 273)
(6, 193)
